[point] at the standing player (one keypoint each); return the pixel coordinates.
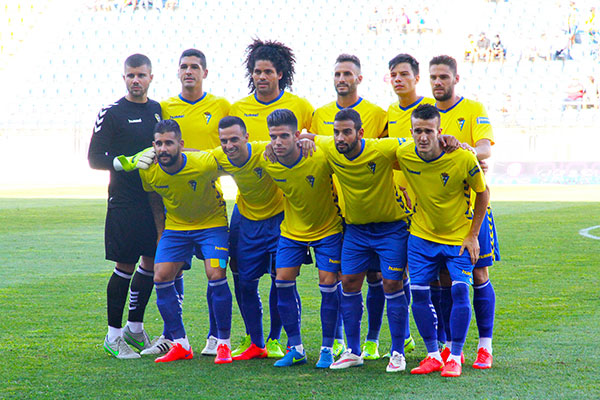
(253, 233)
(270, 71)
(468, 121)
(311, 219)
(346, 78)
(442, 228)
(196, 224)
(125, 127)
(404, 77)
(198, 114)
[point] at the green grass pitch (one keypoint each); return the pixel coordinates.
(53, 315)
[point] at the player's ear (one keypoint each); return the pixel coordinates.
(417, 77)
(151, 77)
(205, 74)
(456, 78)
(361, 132)
(360, 78)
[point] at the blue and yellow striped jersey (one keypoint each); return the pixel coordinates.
(190, 196)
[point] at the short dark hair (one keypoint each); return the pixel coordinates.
(168, 125)
(444, 60)
(349, 114)
(405, 58)
(348, 58)
(425, 111)
(194, 53)
(137, 60)
(229, 121)
(281, 117)
(281, 56)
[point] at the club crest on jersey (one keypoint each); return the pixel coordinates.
(207, 116)
(461, 123)
(192, 184)
(157, 117)
(444, 177)
(311, 180)
(258, 172)
(371, 165)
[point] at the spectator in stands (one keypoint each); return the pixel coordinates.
(591, 97)
(482, 47)
(497, 50)
(574, 94)
(470, 49)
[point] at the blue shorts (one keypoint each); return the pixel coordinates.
(425, 258)
(385, 240)
(180, 246)
(488, 241)
(293, 253)
(253, 244)
(374, 263)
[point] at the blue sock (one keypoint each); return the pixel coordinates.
(289, 310)
(275, 332)
(406, 289)
(253, 311)
(436, 298)
(424, 315)
(339, 329)
(170, 309)
(375, 307)
(446, 308)
(352, 310)
(460, 317)
(330, 308)
(397, 312)
(179, 288)
(212, 327)
(239, 298)
(484, 304)
(299, 302)
(221, 302)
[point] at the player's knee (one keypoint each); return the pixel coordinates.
(391, 286)
(480, 275)
(127, 268)
(373, 276)
(327, 278)
(352, 283)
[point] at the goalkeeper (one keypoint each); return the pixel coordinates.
(126, 127)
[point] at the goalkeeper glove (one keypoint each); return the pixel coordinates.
(142, 160)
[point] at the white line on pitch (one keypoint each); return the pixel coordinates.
(585, 232)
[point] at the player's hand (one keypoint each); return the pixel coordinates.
(406, 196)
(484, 166)
(449, 143)
(468, 147)
(471, 243)
(308, 147)
(142, 160)
(269, 153)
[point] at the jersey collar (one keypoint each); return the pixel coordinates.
(295, 162)
(179, 170)
(411, 105)
(362, 148)
(245, 162)
(428, 161)
(270, 102)
(445, 111)
(352, 106)
(192, 102)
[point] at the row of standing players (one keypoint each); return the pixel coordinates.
(127, 126)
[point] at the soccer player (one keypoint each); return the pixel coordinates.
(346, 78)
(198, 114)
(196, 224)
(375, 226)
(253, 234)
(467, 120)
(311, 219)
(270, 71)
(444, 230)
(404, 77)
(125, 127)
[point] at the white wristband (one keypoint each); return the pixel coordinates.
(117, 164)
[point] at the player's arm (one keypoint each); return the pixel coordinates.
(471, 242)
(158, 213)
(449, 143)
(483, 149)
(99, 156)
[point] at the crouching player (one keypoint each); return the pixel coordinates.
(196, 224)
(444, 231)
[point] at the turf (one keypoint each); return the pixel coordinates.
(52, 301)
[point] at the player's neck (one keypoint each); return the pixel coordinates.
(267, 97)
(347, 101)
(241, 157)
(356, 151)
(192, 95)
(139, 100)
(446, 104)
(291, 158)
(431, 154)
(407, 100)
(175, 167)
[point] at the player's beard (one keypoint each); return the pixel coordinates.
(172, 159)
(447, 95)
(349, 149)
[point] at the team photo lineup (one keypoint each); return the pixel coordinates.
(396, 197)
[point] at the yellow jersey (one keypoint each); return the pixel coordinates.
(254, 113)
(198, 120)
(258, 198)
(366, 180)
(191, 197)
(443, 212)
(310, 209)
(467, 121)
(374, 118)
